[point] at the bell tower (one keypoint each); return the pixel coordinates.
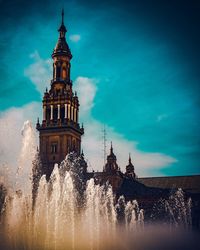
(59, 132)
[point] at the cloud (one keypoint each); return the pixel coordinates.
(86, 89)
(39, 72)
(144, 162)
(92, 143)
(75, 38)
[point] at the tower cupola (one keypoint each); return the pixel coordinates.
(62, 48)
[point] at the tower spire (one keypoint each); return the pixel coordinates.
(63, 16)
(129, 159)
(62, 48)
(62, 28)
(111, 148)
(130, 170)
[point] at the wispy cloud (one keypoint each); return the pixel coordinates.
(87, 88)
(39, 72)
(145, 162)
(75, 38)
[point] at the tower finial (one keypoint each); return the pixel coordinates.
(129, 159)
(62, 15)
(62, 28)
(111, 147)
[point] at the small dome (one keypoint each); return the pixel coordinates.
(111, 164)
(62, 47)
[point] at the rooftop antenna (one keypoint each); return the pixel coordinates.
(104, 144)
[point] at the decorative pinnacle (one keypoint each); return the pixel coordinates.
(62, 28)
(129, 159)
(62, 15)
(111, 148)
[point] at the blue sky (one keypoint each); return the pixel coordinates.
(143, 57)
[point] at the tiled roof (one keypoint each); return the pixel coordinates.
(187, 183)
(133, 188)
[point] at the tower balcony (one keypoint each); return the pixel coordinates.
(60, 80)
(59, 124)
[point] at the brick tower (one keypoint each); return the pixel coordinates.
(59, 132)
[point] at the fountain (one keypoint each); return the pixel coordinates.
(70, 213)
(59, 219)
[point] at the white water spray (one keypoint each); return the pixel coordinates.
(66, 215)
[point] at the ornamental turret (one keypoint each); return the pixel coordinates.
(111, 164)
(130, 170)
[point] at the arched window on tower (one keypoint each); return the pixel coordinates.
(62, 114)
(54, 148)
(48, 112)
(58, 69)
(64, 73)
(55, 113)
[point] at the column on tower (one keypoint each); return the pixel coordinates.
(75, 118)
(77, 115)
(58, 111)
(44, 113)
(51, 112)
(72, 113)
(68, 111)
(65, 111)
